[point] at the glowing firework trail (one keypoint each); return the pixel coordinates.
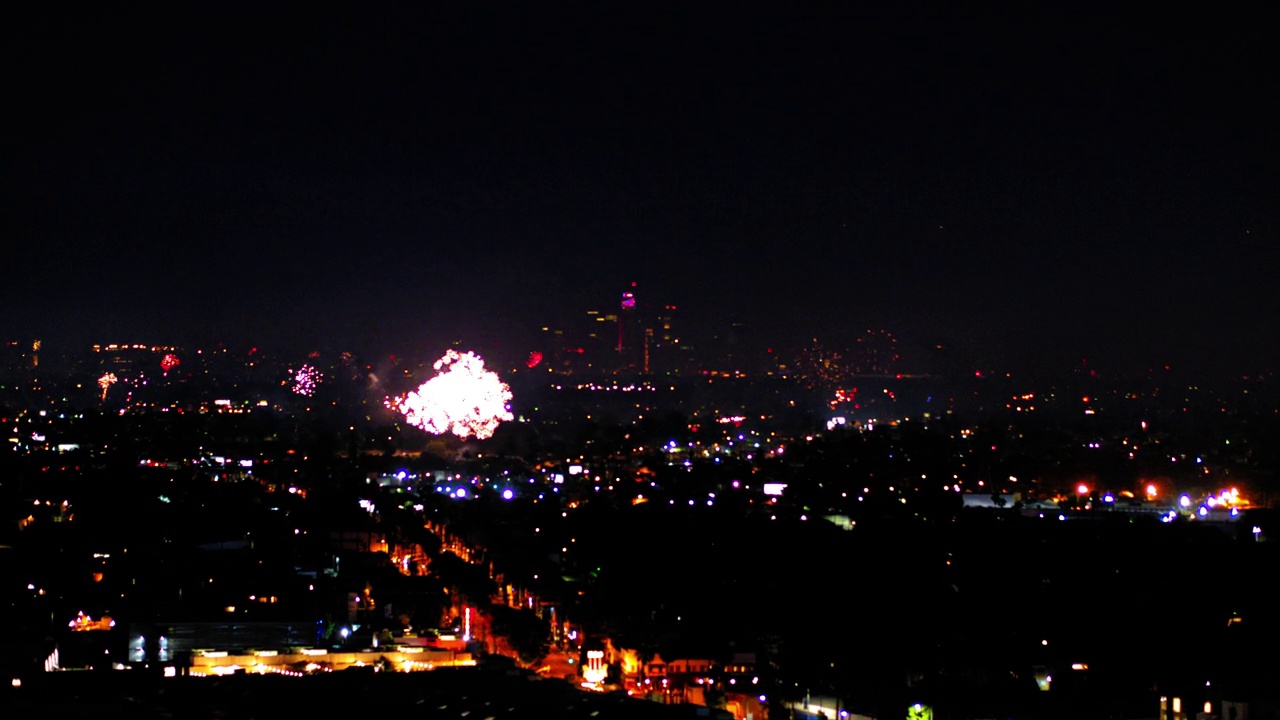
(169, 362)
(306, 380)
(463, 398)
(105, 382)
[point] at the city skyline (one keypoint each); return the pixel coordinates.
(1038, 185)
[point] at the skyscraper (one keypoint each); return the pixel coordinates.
(631, 333)
(669, 354)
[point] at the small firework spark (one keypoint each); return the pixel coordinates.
(843, 396)
(463, 398)
(535, 357)
(105, 382)
(306, 379)
(169, 362)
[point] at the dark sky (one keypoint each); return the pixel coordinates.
(1033, 183)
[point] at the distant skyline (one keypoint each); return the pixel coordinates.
(1035, 183)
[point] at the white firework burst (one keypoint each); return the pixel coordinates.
(463, 398)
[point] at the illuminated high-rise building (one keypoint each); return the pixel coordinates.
(626, 320)
(15, 358)
(20, 363)
(631, 333)
(555, 350)
(597, 342)
(637, 338)
(132, 360)
(669, 354)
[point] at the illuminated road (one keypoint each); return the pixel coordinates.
(559, 664)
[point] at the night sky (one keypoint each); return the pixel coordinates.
(1032, 184)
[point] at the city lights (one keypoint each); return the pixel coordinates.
(814, 361)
